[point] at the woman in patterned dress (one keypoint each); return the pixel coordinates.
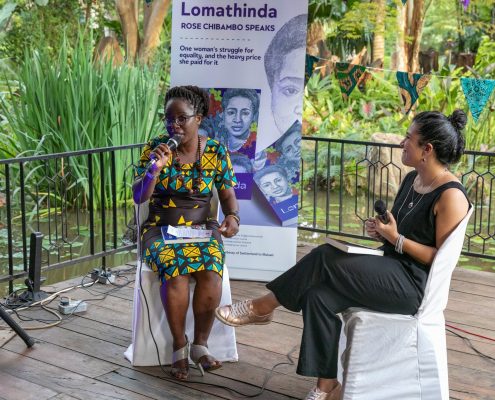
(179, 187)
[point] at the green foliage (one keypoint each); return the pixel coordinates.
(375, 109)
(359, 21)
(475, 22)
(440, 29)
(44, 25)
(73, 105)
(326, 9)
(5, 13)
(485, 59)
(378, 107)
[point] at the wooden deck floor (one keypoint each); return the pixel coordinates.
(82, 358)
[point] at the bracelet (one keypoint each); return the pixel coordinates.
(234, 214)
(150, 175)
(153, 169)
(399, 243)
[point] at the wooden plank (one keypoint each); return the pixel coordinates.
(472, 299)
(114, 354)
(467, 318)
(267, 359)
(85, 345)
(63, 381)
(152, 386)
(249, 289)
(481, 277)
(480, 311)
(479, 331)
(467, 391)
(61, 357)
(461, 395)
(215, 379)
(103, 333)
(100, 330)
(15, 388)
(471, 362)
(5, 336)
(458, 344)
(474, 384)
(472, 288)
(126, 292)
(291, 386)
(121, 318)
(274, 337)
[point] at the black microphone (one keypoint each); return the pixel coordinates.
(172, 143)
(381, 210)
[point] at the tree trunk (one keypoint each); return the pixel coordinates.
(146, 12)
(378, 51)
(399, 57)
(410, 20)
(154, 13)
(153, 28)
(108, 49)
(416, 32)
(127, 13)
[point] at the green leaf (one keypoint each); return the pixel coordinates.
(6, 12)
(41, 2)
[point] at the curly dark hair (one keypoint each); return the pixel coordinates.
(444, 133)
(249, 94)
(194, 95)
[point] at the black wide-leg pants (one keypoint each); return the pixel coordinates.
(326, 282)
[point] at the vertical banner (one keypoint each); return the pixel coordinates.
(249, 56)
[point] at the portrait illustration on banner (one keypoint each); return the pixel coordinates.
(233, 121)
(276, 168)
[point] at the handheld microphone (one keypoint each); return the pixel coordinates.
(381, 211)
(172, 143)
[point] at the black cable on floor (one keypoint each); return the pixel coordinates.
(470, 344)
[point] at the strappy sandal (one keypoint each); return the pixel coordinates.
(179, 355)
(316, 394)
(197, 352)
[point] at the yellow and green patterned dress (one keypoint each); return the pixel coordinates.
(173, 203)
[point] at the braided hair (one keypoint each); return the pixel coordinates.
(194, 95)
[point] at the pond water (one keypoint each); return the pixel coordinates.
(76, 243)
(338, 218)
(350, 223)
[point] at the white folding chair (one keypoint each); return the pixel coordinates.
(394, 356)
(148, 315)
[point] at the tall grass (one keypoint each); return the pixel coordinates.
(72, 104)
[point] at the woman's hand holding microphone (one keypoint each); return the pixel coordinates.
(383, 226)
(159, 158)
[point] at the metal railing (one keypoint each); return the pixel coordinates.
(341, 180)
(82, 203)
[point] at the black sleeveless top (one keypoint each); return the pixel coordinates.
(417, 222)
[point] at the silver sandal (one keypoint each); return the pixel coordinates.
(178, 355)
(198, 351)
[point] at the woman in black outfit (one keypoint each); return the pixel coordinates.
(429, 205)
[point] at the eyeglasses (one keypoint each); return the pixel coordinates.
(180, 120)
